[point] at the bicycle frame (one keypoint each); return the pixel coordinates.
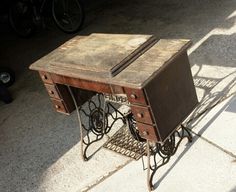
(34, 15)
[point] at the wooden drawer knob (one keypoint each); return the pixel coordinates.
(145, 133)
(45, 77)
(133, 96)
(57, 106)
(139, 115)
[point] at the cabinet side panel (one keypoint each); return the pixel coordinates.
(171, 94)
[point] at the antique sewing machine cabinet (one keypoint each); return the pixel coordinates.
(153, 75)
(161, 94)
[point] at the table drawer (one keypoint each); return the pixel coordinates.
(148, 132)
(59, 106)
(52, 91)
(142, 114)
(135, 96)
(46, 77)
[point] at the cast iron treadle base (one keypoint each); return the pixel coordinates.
(97, 121)
(165, 151)
(123, 143)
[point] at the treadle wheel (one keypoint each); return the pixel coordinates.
(96, 121)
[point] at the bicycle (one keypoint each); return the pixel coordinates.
(26, 15)
(7, 78)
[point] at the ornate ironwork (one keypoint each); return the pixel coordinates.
(97, 125)
(126, 140)
(123, 142)
(165, 151)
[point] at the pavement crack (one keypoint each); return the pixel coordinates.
(215, 145)
(104, 177)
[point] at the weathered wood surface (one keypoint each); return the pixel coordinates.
(142, 70)
(101, 57)
(98, 52)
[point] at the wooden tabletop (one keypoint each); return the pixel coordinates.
(142, 70)
(98, 56)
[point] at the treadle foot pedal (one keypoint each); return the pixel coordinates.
(122, 142)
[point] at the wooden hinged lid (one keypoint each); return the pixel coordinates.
(102, 53)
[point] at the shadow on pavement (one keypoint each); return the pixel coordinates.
(30, 119)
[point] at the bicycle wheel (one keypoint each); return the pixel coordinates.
(68, 15)
(7, 76)
(21, 18)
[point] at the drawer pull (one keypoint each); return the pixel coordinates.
(61, 106)
(45, 77)
(136, 96)
(133, 96)
(53, 91)
(145, 133)
(57, 106)
(139, 115)
(142, 114)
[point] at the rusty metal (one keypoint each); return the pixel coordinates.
(94, 121)
(123, 142)
(165, 151)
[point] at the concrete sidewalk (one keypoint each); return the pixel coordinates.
(206, 164)
(40, 149)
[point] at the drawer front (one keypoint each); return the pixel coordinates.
(52, 91)
(148, 132)
(46, 77)
(87, 85)
(142, 114)
(117, 89)
(59, 106)
(135, 96)
(57, 78)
